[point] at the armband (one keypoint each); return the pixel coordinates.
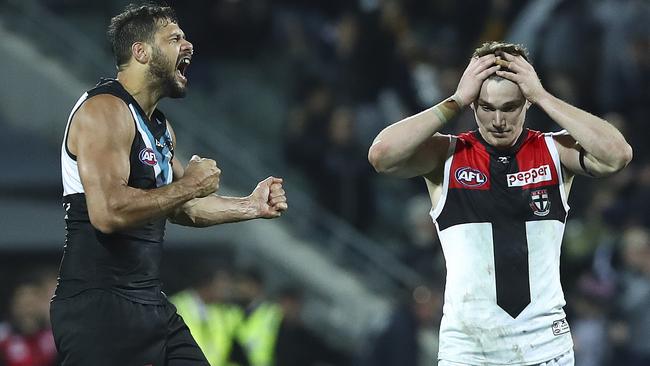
(582, 161)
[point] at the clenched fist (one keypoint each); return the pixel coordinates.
(269, 198)
(203, 174)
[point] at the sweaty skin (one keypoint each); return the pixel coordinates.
(101, 134)
(413, 147)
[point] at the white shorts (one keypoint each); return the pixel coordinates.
(565, 359)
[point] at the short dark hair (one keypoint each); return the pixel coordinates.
(494, 46)
(137, 23)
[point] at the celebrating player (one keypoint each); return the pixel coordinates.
(121, 183)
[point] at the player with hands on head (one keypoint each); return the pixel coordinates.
(122, 181)
(499, 199)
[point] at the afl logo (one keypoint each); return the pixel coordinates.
(148, 157)
(470, 177)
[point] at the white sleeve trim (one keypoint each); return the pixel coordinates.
(550, 143)
(435, 211)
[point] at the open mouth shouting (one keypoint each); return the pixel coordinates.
(181, 67)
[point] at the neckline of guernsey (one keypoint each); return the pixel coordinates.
(131, 100)
(503, 152)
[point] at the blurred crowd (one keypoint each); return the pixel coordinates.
(25, 335)
(357, 66)
(238, 321)
(232, 314)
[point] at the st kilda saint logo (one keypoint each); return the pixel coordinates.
(470, 177)
(539, 202)
(147, 156)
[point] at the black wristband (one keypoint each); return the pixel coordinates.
(582, 161)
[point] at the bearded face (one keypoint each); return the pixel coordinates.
(167, 75)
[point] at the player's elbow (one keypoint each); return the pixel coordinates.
(106, 224)
(621, 157)
(106, 219)
(627, 155)
(377, 156)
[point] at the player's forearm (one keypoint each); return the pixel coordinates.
(597, 136)
(397, 143)
(214, 210)
(130, 207)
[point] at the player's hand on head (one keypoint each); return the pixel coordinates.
(469, 86)
(270, 198)
(520, 71)
(203, 174)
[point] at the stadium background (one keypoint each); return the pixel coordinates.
(299, 89)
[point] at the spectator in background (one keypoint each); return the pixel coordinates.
(401, 342)
(625, 53)
(322, 143)
(47, 278)
(590, 323)
(26, 338)
(423, 250)
(272, 332)
(632, 206)
(632, 332)
(258, 332)
(297, 345)
(307, 128)
(345, 176)
(240, 27)
(571, 27)
(213, 320)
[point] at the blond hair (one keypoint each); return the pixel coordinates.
(494, 46)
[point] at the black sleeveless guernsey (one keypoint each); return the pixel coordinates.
(125, 263)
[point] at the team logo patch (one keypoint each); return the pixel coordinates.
(470, 177)
(534, 175)
(560, 327)
(539, 202)
(147, 156)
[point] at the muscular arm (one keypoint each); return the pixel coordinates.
(606, 150)
(214, 210)
(268, 200)
(101, 135)
(412, 146)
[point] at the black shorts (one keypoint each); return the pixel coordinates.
(97, 327)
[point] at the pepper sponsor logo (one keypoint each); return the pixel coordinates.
(534, 175)
(147, 156)
(470, 177)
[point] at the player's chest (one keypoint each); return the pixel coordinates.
(521, 184)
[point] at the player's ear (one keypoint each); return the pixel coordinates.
(140, 52)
